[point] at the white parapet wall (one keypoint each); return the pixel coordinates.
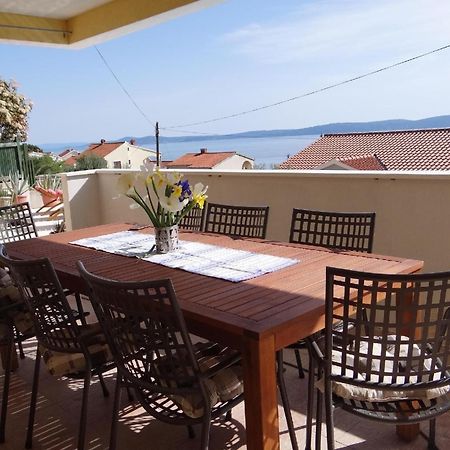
(82, 199)
(413, 217)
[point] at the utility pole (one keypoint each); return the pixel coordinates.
(158, 156)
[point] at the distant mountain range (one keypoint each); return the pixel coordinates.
(344, 127)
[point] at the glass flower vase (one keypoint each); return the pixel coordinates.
(166, 239)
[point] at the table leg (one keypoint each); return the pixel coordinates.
(260, 392)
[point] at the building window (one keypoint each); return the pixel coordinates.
(117, 164)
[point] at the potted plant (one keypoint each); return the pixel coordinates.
(173, 198)
(5, 197)
(17, 187)
(49, 187)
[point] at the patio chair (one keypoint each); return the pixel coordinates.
(335, 230)
(68, 349)
(389, 359)
(7, 342)
(175, 381)
(16, 224)
(193, 220)
(249, 221)
(237, 221)
(13, 317)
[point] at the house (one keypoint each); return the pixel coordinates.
(118, 155)
(212, 160)
(68, 153)
(426, 149)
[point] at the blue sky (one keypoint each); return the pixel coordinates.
(238, 55)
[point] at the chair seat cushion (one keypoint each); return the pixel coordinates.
(10, 295)
(63, 364)
(222, 386)
(8, 291)
(379, 394)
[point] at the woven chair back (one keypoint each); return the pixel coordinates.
(147, 334)
(193, 220)
(393, 330)
(241, 221)
(16, 223)
(336, 230)
(55, 325)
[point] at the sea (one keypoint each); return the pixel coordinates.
(266, 151)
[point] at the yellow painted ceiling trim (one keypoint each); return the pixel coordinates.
(18, 27)
(117, 14)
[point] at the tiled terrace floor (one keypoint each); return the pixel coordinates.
(59, 405)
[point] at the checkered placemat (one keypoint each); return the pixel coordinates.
(204, 259)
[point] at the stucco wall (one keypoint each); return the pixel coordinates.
(81, 199)
(235, 162)
(412, 215)
(127, 152)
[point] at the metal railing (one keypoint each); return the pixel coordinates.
(14, 158)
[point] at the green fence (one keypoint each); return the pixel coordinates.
(14, 158)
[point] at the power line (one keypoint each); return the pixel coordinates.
(152, 123)
(316, 91)
(130, 97)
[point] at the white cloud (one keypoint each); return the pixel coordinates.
(327, 29)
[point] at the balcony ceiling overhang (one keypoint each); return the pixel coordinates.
(80, 23)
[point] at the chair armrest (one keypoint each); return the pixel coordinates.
(314, 349)
(222, 362)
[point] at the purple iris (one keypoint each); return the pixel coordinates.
(185, 189)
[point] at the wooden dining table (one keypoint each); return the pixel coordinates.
(258, 316)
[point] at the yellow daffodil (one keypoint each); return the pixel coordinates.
(125, 183)
(177, 190)
(164, 196)
(198, 194)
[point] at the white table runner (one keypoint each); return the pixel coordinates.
(204, 259)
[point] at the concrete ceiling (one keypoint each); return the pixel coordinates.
(80, 23)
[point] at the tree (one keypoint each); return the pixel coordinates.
(46, 165)
(89, 162)
(14, 109)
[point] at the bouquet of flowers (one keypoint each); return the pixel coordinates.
(172, 198)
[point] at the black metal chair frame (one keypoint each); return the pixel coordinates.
(194, 220)
(148, 337)
(419, 304)
(8, 342)
(346, 231)
(17, 223)
(249, 221)
(56, 329)
(237, 221)
(334, 230)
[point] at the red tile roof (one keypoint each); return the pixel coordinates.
(427, 149)
(367, 162)
(71, 161)
(101, 148)
(67, 150)
(201, 160)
